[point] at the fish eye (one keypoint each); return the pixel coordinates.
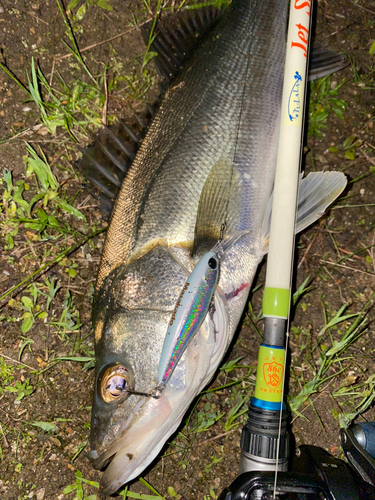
(212, 263)
(114, 383)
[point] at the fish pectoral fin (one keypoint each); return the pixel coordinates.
(216, 216)
(316, 192)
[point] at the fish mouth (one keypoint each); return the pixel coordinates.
(137, 445)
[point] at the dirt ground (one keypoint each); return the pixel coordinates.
(45, 399)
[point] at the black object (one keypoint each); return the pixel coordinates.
(360, 459)
(259, 440)
(314, 474)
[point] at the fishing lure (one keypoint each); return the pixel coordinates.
(191, 308)
(189, 313)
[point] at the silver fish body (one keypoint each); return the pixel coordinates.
(223, 110)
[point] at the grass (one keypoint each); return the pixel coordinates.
(80, 484)
(329, 354)
(44, 230)
(324, 100)
(77, 10)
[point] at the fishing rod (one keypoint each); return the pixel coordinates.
(265, 440)
(267, 468)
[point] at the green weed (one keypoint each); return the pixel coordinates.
(364, 81)
(205, 419)
(77, 488)
(20, 388)
(39, 212)
(126, 493)
(215, 460)
(348, 149)
(233, 418)
(38, 307)
(74, 105)
(78, 14)
(231, 365)
(47, 427)
(323, 101)
(334, 353)
(6, 374)
(301, 291)
(359, 397)
(80, 448)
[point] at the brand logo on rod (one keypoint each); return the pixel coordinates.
(294, 101)
(273, 374)
(302, 31)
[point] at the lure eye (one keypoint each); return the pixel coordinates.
(212, 263)
(114, 383)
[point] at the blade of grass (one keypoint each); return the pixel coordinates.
(74, 50)
(49, 265)
(15, 79)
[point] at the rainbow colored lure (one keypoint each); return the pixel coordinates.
(190, 311)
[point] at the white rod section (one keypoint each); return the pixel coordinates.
(282, 230)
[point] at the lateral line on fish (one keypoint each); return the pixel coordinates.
(172, 143)
(250, 22)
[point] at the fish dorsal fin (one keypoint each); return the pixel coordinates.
(316, 192)
(220, 195)
(177, 35)
(324, 61)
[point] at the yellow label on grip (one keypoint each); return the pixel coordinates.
(270, 372)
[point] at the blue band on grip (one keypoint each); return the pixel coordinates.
(267, 405)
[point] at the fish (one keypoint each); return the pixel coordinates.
(206, 163)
